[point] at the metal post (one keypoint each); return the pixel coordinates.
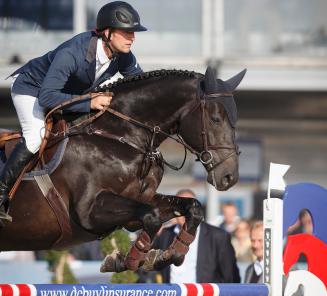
(273, 230)
(213, 204)
(206, 29)
(79, 16)
(217, 33)
(273, 245)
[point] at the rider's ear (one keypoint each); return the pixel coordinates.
(110, 31)
(235, 80)
(106, 33)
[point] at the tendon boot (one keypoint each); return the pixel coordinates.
(16, 162)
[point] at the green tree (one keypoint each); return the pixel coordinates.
(58, 264)
(119, 241)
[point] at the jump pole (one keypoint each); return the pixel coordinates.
(273, 230)
(135, 290)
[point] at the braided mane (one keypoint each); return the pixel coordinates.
(146, 75)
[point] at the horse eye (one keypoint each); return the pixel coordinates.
(215, 119)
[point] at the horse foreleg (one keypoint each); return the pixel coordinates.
(151, 225)
(169, 207)
(135, 257)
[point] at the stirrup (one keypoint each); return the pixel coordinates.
(4, 213)
(5, 216)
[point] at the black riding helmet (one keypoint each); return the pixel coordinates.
(119, 15)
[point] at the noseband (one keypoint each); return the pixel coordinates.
(205, 156)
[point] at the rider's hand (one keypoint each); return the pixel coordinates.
(100, 101)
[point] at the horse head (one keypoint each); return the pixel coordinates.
(214, 136)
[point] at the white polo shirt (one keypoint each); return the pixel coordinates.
(102, 61)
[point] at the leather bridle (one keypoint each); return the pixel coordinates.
(205, 156)
(151, 152)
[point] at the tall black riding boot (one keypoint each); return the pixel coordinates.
(16, 162)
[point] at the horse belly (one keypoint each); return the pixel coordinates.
(34, 225)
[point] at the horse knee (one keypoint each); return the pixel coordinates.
(152, 222)
(196, 211)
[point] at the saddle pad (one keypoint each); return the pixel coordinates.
(49, 168)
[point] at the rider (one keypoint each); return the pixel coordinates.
(73, 68)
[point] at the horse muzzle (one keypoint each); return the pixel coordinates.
(222, 181)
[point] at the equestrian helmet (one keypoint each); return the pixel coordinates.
(119, 15)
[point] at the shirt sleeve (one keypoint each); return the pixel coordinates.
(51, 94)
(128, 65)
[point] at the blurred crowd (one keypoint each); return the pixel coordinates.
(216, 254)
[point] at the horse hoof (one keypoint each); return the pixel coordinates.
(114, 262)
(178, 259)
(150, 260)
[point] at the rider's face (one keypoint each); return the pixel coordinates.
(257, 242)
(121, 41)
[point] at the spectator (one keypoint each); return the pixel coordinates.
(231, 217)
(211, 257)
(254, 272)
(242, 242)
(304, 224)
(306, 221)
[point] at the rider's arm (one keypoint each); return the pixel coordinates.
(51, 94)
(128, 65)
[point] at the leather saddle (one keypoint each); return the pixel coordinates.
(54, 127)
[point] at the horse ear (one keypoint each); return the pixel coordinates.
(210, 85)
(235, 80)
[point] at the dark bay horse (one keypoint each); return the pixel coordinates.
(112, 167)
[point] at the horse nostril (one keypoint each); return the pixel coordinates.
(228, 179)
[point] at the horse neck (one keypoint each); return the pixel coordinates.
(157, 102)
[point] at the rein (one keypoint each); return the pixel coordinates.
(205, 156)
(152, 153)
(74, 100)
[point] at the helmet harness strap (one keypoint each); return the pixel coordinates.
(107, 43)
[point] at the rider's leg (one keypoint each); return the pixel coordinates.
(31, 118)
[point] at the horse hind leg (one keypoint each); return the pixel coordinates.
(175, 254)
(135, 258)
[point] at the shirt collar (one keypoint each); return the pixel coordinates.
(101, 54)
(258, 267)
